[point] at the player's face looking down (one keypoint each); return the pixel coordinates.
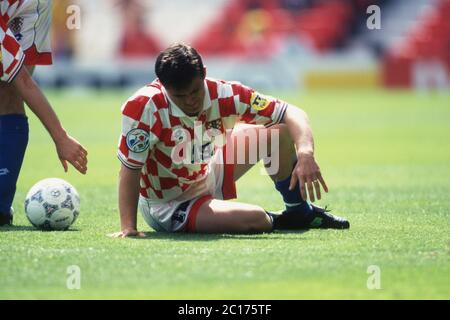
(189, 99)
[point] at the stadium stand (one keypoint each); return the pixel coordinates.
(306, 43)
(426, 45)
(320, 24)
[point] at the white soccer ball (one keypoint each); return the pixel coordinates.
(52, 204)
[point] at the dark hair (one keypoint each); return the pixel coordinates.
(178, 65)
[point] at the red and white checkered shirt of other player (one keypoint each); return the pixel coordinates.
(11, 54)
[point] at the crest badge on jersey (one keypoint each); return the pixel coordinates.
(215, 124)
(138, 140)
(15, 26)
(258, 101)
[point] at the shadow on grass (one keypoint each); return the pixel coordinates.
(31, 228)
(210, 237)
(17, 228)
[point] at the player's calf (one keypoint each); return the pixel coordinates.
(282, 154)
(13, 142)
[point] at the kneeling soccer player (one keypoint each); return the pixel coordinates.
(182, 153)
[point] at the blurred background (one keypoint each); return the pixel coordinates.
(378, 101)
(268, 44)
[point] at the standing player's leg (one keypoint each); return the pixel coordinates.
(34, 38)
(13, 143)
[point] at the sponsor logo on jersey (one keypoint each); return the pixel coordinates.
(258, 101)
(138, 140)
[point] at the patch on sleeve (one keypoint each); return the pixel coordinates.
(138, 140)
(258, 101)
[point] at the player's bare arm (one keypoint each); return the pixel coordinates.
(307, 171)
(68, 149)
(128, 202)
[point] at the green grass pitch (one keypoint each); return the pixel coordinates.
(385, 157)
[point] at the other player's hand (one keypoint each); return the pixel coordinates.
(127, 233)
(70, 150)
(307, 174)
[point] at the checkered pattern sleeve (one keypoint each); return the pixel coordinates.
(256, 108)
(141, 128)
(11, 54)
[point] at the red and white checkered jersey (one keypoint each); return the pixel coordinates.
(11, 54)
(154, 131)
(29, 24)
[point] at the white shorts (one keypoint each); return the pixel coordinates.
(180, 214)
(30, 24)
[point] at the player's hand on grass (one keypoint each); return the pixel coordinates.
(307, 174)
(70, 150)
(127, 233)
